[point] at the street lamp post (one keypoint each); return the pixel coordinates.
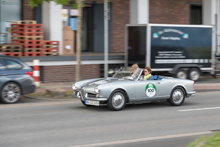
(106, 36)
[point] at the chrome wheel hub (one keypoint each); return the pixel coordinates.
(118, 100)
(11, 93)
(177, 96)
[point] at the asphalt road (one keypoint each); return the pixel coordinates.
(68, 123)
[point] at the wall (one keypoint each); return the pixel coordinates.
(66, 73)
(170, 11)
(120, 17)
(28, 12)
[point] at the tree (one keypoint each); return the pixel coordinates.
(77, 4)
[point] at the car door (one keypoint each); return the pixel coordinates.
(147, 90)
(2, 73)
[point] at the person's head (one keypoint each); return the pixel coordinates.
(134, 67)
(147, 70)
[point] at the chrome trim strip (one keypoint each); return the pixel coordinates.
(191, 92)
(96, 99)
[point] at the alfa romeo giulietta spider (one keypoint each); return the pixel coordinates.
(127, 86)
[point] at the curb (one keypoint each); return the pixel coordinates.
(52, 99)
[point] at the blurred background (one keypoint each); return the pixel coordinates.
(48, 32)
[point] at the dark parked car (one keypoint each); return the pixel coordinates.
(16, 79)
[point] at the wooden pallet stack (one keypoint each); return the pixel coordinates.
(30, 35)
(11, 50)
(50, 48)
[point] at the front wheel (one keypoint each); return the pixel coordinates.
(117, 100)
(10, 93)
(177, 97)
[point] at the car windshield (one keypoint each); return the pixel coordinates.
(128, 73)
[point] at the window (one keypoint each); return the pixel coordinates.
(196, 14)
(2, 67)
(12, 65)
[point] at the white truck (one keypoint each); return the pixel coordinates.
(185, 51)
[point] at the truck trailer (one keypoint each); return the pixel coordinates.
(184, 51)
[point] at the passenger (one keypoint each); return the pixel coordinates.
(147, 73)
(134, 67)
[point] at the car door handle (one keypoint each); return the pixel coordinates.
(157, 83)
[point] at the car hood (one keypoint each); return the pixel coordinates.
(89, 87)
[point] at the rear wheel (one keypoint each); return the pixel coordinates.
(177, 97)
(181, 74)
(117, 100)
(194, 74)
(10, 93)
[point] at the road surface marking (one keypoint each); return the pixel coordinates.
(198, 109)
(36, 104)
(142, 139)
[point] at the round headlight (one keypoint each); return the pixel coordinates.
(96, 90)
(73, 87)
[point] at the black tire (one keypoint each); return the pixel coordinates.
(177, 97)
(10, 93)
(194, 74)
(181, 74)
(117, 100)
(85, 104)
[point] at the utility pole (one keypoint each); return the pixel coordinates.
(106, 18)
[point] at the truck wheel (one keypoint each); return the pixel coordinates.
(194, 74)
(117, 100)
(181, 74)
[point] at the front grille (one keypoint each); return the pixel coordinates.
(82, 92)
(91, 95)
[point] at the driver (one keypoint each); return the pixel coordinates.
(147, 73)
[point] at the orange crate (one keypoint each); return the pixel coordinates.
(17, 42)
(28, 50)
(48, 42)
(26, 34)
(50, 50)
(17, 54)
(33, 46)
(50, 46)
(21, 30)
(33, 54)
(30, 26)
(27, 38)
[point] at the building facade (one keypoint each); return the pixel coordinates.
(122, 12)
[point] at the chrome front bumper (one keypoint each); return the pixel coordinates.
(80, 96)
(191, 94)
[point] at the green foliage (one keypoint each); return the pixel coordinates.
(75, 5)
(35, 3)
(207, 141)
(197, 141)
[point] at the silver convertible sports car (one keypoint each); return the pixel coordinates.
(127, 86)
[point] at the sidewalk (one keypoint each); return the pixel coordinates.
(68, 86)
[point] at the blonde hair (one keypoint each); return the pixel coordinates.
(135, 66)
